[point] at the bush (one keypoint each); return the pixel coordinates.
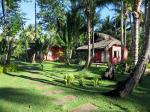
(103, 70)
(81, 80)
(120, 68)
(69, 79)
(95, 81)
(1, 69)
(11, 68)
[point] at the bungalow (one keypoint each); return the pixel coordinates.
(54, 53)
(106, 49)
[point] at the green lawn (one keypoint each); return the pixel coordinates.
(25, 91)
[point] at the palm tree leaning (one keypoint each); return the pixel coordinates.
(126, 87)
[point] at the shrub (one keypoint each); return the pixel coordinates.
(120, 68)
(81, 80)
(10, 68)
(1, 69)
(69, 79)
(95, 81)
(102, 70)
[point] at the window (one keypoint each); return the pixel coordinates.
(49, 53)
(115, 54)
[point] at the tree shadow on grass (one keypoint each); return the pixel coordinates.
(141, 94)
(64, 66)
(20, 96)
(60, 82)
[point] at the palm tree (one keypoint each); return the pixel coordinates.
(8, 8)
(126, 87)
(70, 32)
(137, 19)
(122, 22)
(3, 8)
(89, 7)
(33, 58)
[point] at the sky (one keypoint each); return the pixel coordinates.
(28, 9)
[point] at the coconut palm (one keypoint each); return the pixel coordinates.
(70, 31)
(89, 8)
(126, 87)
(137, 18)
(10, 25)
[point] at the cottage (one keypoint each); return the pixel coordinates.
(106, 49)
(54, 53)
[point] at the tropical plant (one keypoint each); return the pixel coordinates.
(81, 80)
(127, 86)
(69, 79)
(95, 81)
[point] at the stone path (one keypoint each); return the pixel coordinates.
(53, 92)
(40, 85)
(88, 107)
(85, 108)
(64, 100)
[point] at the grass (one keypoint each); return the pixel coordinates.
(19, 91)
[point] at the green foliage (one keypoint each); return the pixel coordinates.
(1, 69)
(19, 50)
(95, 81)
(3, 46)
(81, 80)
(25, 94)
(148, 65)
(11, 68)
(69, 79)
(102, 70)
(120, 68)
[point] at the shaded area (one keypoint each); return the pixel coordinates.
(59, 82)
(141, 94)
(54, 74)
(20, 96)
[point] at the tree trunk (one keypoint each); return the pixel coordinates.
(122, 23)
(110, 74)
(93, 53)
(137, 16)
(3, 11)
(132, 34)
(68, 55)
(89, 43)
(146, 8)
(35, 21)
(125, 32)
(122, 30)
(25, 42)
(3, 8)
(26, 49)
(9, 52)
(126, 87)
(136, 41)
(33, 57)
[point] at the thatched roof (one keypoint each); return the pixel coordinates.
(103, 41)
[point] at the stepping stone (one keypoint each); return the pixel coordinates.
(40, 83)
(53, 92)
(41, 87)
(85, 108)
(64, 100)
